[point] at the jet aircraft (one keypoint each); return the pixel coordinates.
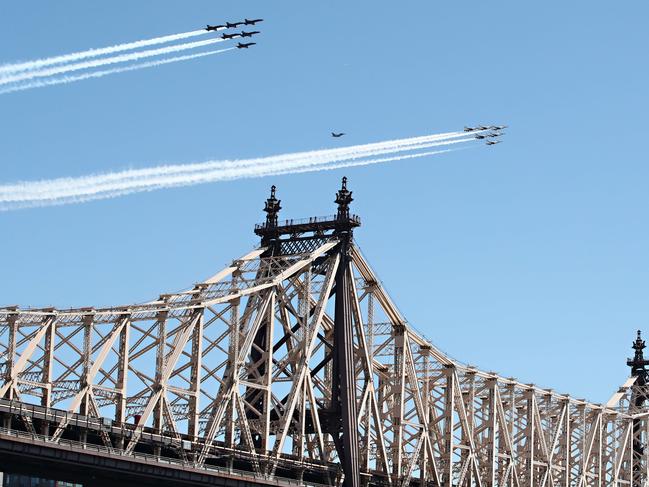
(230, 36)
(480, 137)
(214, 27)
(248, 34)
(469, 129)
(233, 25)
(495, 134)
(499, 127)
(245, 46)
(493, 142)
(336, 135)
(251, 22)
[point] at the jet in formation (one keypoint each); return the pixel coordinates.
(336, 135)
(232, 25)
(241, 45)
(230, 36)
(248, 34)
(485, 127)
(494, 131)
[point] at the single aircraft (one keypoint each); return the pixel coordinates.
(233, 25)
(245, 46)
(251, 22)
(495, 134)
(482, 127)
(469, 129)
(480, 137)
(214, 27)
(230, 36)
(499, 127)
(248, 34)
(336, 135)
(493, 142)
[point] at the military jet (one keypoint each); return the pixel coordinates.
(233, 25)
(251, 22)
(499, 127)
(480, 137)
(469, 129)
(248, 34)
(336, 135)
(493, 142)
(245, 46)
(214, 27)
(230, 36)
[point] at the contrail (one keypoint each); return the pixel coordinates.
(106, 72)
(105, 61)
(75, 190)
(211, 171)
(90, 53)
(65, 187)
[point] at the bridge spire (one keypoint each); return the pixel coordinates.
(272, 208)
(343, 199)
(638, 363)
(271, 233)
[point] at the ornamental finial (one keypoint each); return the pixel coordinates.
(272, 208)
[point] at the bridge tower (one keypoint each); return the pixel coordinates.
(292, 237)
(638, 405)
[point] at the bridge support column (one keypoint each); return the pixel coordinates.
(344, 376)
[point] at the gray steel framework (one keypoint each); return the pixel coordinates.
(295, 355)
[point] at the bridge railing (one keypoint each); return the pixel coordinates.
(89, 448)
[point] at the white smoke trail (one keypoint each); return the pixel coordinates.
(365, 162)
(63, 191)
(96, 185)
(132, 179)
(106, 72)
(90, 53)
(105, 61)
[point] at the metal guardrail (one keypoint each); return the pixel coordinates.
(310, 220)
(154, 459)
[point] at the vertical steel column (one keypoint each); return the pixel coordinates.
(344, 377)
(160, 361)
(343, 371)
(195, 378)
(11, 354)
(48, 361)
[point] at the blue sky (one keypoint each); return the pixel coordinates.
(529, 259)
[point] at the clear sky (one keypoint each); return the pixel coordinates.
(529, 258)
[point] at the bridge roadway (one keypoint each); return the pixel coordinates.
(96, 465)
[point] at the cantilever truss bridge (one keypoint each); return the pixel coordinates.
(293, 363)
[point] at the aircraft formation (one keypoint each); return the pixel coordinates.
(242, 34)
(493, 131)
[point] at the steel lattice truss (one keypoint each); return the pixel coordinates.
(195, 366)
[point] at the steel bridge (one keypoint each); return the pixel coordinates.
(292, 366)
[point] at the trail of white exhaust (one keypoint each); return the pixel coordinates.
(105, 72)
(122, 58)
(62, 187)
(91, 53)
(75, 190)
